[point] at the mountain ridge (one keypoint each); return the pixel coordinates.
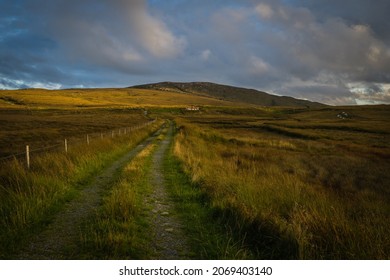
(230, 93)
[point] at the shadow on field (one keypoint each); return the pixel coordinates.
(264, 239)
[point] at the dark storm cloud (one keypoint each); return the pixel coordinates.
(371, 13)
(331, 45)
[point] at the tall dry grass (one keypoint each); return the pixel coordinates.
(28, 198)
(289, 201)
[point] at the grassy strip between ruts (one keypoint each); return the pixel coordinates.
(120, 229)
(30, 198)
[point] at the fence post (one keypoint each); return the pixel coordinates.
(28, 156)
(66, 146)
(87, 139)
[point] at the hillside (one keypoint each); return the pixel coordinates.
(103, 97)
(230, 93)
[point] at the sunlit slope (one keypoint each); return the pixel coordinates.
(231, 93)
(103, 98)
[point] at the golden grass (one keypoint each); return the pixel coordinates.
(43, 128)
(126, 97)
(29, 197)
(297, 183)
(296, 198)
(40, 118)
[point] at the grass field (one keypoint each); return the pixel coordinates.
(43, 128)
(30, 198)
(296, 184)
(101, 98)
(283, 183)
(42, 118)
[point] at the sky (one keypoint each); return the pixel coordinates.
(330, 51)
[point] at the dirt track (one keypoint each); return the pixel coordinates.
(59, 239)
(169, 240)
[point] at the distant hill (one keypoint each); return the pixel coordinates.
(230, 93)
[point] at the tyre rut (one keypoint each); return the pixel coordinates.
(169, 241)
(59, 239)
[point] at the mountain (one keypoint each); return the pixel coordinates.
(230, 93)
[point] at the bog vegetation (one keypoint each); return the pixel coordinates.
(30, 197)
(301, 185)
(282, 183)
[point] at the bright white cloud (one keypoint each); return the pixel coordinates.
(6, 83)
(364, 93)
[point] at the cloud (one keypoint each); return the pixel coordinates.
(6, 83)
(276, 12)
(152, 32)
(327, 51)
(353, 12)
(127, 31)
(258, 66)
(306, 48)
(71, 37)
(292, 49)
(313, 46)
(205, 55)
(369, 93)
(229, 23)
(264, 10)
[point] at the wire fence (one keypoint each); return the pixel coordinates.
(63, 146)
